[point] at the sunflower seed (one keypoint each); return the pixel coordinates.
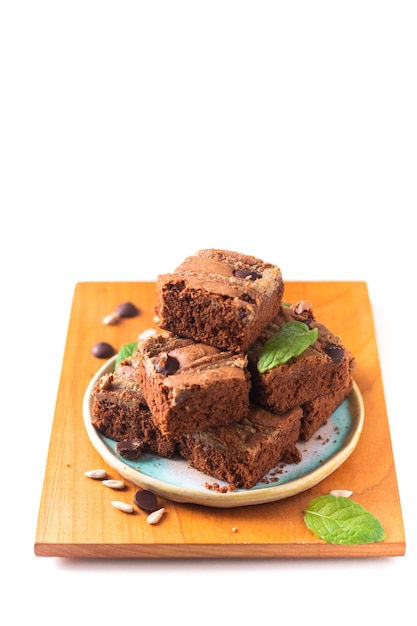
(114, 484)
(111, 319)
(150, 332)
(122, 506)
(343, 493)
(153, 518)
(97, 474)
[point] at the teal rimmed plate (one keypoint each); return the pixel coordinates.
(174, 479)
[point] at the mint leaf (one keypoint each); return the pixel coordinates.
(291, 340)
(339, 520)
(125, 352)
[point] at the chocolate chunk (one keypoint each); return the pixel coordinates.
(253, 275)
(127, 309)
(130, 448)
(166, 364)
(103, 350)
(146, 500)
(335, 352)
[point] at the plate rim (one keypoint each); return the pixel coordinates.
(214, 498)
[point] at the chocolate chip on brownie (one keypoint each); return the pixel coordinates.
(130, 448)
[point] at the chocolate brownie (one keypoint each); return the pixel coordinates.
(120, 411)
(189, 386)
(241, 454)
(322, 368)
(317, 412)
(220, 298)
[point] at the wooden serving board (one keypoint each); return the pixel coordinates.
(76, 518)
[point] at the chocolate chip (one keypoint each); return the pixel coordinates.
(335, 352)
(166, 364)
(130, 448)
(251, 274)
(146, 500)
(103, 350)
(127, 309)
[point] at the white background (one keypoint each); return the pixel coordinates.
(131, 135)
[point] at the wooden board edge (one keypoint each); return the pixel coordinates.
(219, 551)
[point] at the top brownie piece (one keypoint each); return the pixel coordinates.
(220, 298)
(322, 368)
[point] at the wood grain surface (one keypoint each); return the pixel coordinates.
(76, 518)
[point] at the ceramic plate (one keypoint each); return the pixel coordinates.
(329, 447)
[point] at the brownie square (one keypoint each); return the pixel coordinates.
(220, 298)
(317, 412)
(120, 411)
(323, 367)
(241, 454)
(189, 386)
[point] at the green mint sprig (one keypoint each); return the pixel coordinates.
(290, 341)
(339, 520)
(127, 350)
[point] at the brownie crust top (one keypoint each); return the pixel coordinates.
(178, 361)
(230, 273)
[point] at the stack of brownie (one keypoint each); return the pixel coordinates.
(195, 388)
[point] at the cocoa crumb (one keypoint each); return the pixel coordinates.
(220, 489)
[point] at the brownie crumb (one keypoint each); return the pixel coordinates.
(219, 488)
